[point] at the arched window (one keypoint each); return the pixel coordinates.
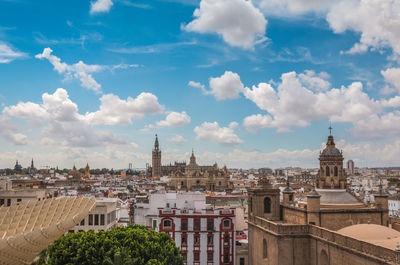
(336, 171)
(328, 172)
(267, 205)
(167, 223)
(265, 249)
(182, 184)
(323, 258)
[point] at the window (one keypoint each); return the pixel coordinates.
(210, 224)
(328, 173)
(1, 202)
(182, 184)
(184, 225)
(198, 182)
(291, 197)
(8, 202)
(96, 219)
(83, 222)
(197, 240)
(226, 258)
(70, 231)
(167, 223)
(267, 205)
(18, 200)
(241, 261)
(210, 257)
(196, 256)
(210, 240)
(90, 219)
(196, 225)
(219, 183)
(154, 224)
(167, 205)
(336, 171)
(101, 219)
(227, 223)
(184, 240)
(265, 249)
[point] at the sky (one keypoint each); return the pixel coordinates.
(242, 83)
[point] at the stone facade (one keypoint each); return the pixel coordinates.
(308, 232)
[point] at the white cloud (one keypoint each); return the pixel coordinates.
(100, 6)
(63, 122)
(238, 22)
(9, 54)
(289, 8)
(377, 20)
(78, 70)
(227, 86)
(392, 102)
(197, 85)
(177, 139)
(210, 131)
(115, 111)
(175, 119)
(294, 103)
(392, 76)
(9, 132)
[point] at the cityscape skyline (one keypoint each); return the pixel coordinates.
(98, 82)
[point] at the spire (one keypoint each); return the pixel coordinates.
(156, 145)
(330, 128)
(32, 166)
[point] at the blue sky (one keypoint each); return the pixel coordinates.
(246, 84)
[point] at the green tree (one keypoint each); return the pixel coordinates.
(132, 245)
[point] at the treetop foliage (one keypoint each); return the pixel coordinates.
(132, 245)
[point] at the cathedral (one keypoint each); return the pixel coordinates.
(183, 176)
(331, 226)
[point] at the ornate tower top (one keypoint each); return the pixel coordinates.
(331, 175)
(156, 145)
(192, 159)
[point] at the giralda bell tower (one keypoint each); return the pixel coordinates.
(156, 161)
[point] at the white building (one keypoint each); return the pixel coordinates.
(102, 217)
(205, 236)
(14, 197)
(394, 205)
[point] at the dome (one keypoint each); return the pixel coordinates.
(372, 233)
(330, 149)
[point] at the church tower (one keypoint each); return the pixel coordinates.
(156, 161)
(331, 173)
(87, 171)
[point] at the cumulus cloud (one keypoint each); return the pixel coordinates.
(392, 76)
(177, 139)
(63, 121)
(9, 132)
(100, 6)
(239, 22)
(227, 86)
(9, 54)
(78, 70)
(175, 119)
(376, 20)
(116, 111)
(285, 110)
(212, 132)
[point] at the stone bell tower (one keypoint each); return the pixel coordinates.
(331, 173)
(264, 201)
(156, 161)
